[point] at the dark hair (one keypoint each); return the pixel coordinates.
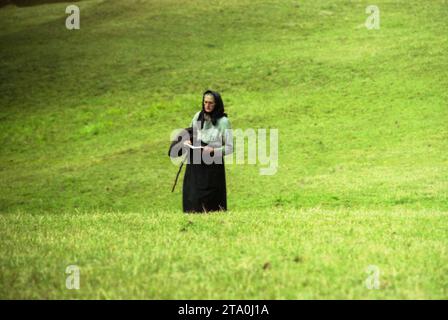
(217, 112)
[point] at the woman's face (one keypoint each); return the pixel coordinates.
(209, 103)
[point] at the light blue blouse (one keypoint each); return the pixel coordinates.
(219, 136)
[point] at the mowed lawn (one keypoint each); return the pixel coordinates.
(85, 121)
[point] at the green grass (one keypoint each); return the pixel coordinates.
(269, 254)
(85, 118)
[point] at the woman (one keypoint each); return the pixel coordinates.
(204, 187)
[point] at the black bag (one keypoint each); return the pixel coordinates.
(180, 149)
(185, 133)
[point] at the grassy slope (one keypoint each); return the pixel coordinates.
(85, 118)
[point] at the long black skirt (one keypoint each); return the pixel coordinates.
(204, 186)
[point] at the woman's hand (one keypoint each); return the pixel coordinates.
(208, 149)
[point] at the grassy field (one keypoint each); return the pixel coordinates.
(268, 254)
(85, 120)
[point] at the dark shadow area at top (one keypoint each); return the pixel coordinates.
(29, 3)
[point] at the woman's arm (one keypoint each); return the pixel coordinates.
(227, 137)
(195, 118)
